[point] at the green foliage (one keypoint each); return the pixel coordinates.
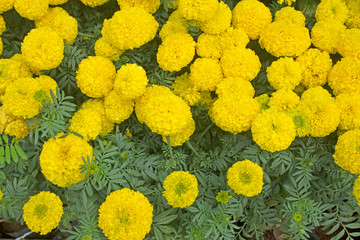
(10, 149)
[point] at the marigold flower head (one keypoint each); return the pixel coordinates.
(176, 52)
(42, 213)
(290, 15)
(284, 73)
(356, 190)
(31, 9)
(1, 46)
(6, 5)
(240, 62)
(208, 46)
(130, 81)
(171, 27)
(162, 111)
(11, 69)
(182, 136)
(1, 194)
(234, 86)
(180, 189)
(183, 88)
(234, 113)
(322, 110)
(297, 217)
(43, 49)
(12, 126)
(349, 105)
(60, 22)
(200, 10)
(219, 22)
(347, 151)
(245, 178)
(263, 101)
(223, 197)
(302, 122)
(2, 25)
(273, 130)
(252, 16)
(57, 2)
(125, 214)
(325, 35)
(130, 28)
(104, 49)
(95, 76)
(353, 20)
(316, 65)
(349, 43)
(205, 74)
(149, 5)
(332, 9)
(117, 108)
(282, 39)
(345, 76)
(233, 37)
(94, 3)
(284, 100)
(288, 2)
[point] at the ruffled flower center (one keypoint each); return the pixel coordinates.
(40, 211)
(180, 188)
(245, 178)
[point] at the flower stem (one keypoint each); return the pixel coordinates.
(205, 131)
(192, 148)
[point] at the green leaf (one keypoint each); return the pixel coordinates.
(7, 154)
(21, 152)
(14, 154)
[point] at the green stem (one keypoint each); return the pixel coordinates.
(205, 131)
(86, 35)
(192, 148)
(170, 148)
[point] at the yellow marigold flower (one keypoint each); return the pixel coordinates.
(349, 43)
(240, 62)
(345, 76)
(284, 73)
(183, 88)
(130, 81)
(42, 213)
(332, 10)
(302, 122)
(223, 197)
(252, 16)
(233, 37)
(290, 15)
(288, 2)
(208, 46)
(12, 126)
(162, 111)
(182, 136)
(149, 5)
(60, 22)
(171, 27)
(353, 20)
(284, 100)
(181, 189)
(205, 74)
(176, 52)
(6, 5)
(11, 69)
(95, 76)
(31, 9)
(200, 10)
(234, 86)
(104, 49)
(282, 39)
(234, 113)
(263, 101)
(60, 159)
(2, 25)
(347, 151)
(43, 49)
(1, 46)
(1, 194)
(273, 130)
(98, 104)
(130, 28)
(356, 190)
(57, 2)
(322, 110)
(297, 217)
(219, 22)
(176, 16)
(125, 214)
(94, 3)
(325, 35)
(245, 178)
(117, 108)
(317, 65)
(349, 104)
(206, 98)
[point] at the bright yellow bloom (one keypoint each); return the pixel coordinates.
(284, 73)
(349, 104)
(125, 215)
(12, 126)
(149, 5)
(317, 65)
(42, 213)
(273, 130)
(1, 195)
(130, 81)
(104, 49)
(60, 22)
(200, 10)
(130, 28)
(234, 86)
(43, 49)
(288, 2)
(219, 22)
(94, 3)
(353, 20)
(332, 10)
(345, 76)
(240, 62)
(181, 189)
(349, 43)
(1, 46)
(171, 27)
(325, 35)
(2, 25)
(176, 52)
(252, 16)
(6, 5)
(234, 113)
(245, 178)
(290, 15)
(57, 2)
(11, 69)
(282, 39)
(182, 136)
(31, 9)
(95, 76)
(284, 100)
(205, 74)
(223, 197)
(208, 46)
(302, 122)
(233, 37)
(356, 190)
(183, 88)
(347, 151)
(117, 109)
